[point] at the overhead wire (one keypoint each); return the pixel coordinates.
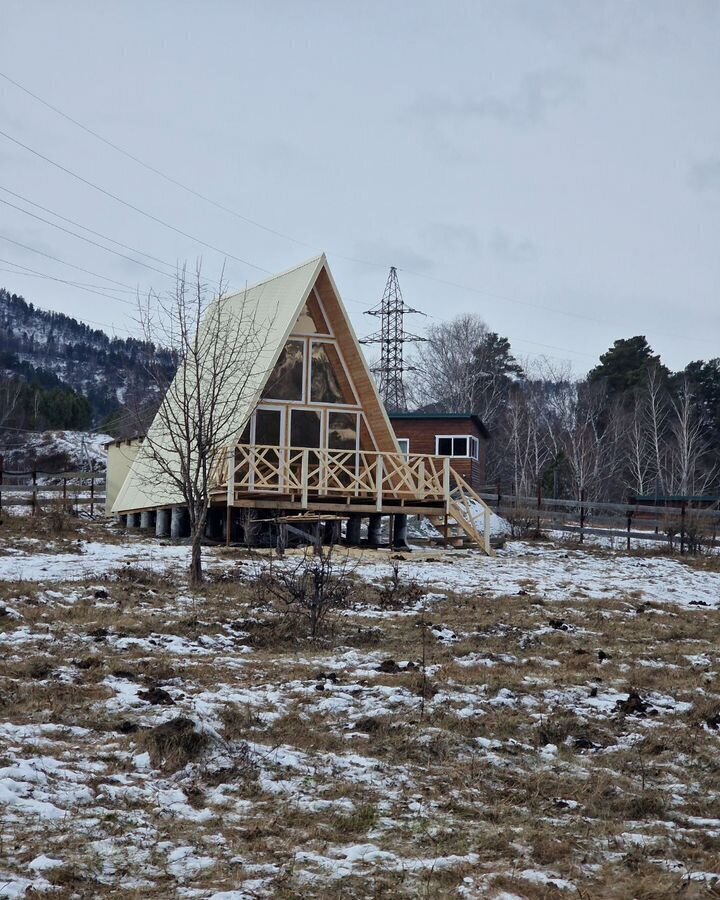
(99, 234)
(10, 240)
(129, 205)
(422, 275)
(82, 237)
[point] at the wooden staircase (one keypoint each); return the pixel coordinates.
(458, 525)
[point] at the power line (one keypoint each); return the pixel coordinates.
(81, 237)
(155, 171)
(33, 274)
(260, 225)
(253, 222)
(132, 206)
(64, 263)
(85, 228)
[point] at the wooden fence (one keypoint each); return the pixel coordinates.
(684, 526)
(36, 488)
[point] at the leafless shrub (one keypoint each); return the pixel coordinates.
(398, 591)
(56, 516)
(524, 522)
(312, 586)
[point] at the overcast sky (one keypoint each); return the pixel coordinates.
(551, 166)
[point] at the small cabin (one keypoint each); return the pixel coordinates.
(461, 436)
(310, 438)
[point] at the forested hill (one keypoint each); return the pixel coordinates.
(56, 372)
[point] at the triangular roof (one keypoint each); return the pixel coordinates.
(274, 306)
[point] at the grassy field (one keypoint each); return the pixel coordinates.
(539, 725)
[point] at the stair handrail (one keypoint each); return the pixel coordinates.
(460, 496)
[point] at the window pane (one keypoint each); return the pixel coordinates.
(444, 446)
(286, 379)
(267, 427)
(459, 446)
(328, 382)
(342, 431)
(404, 444)
(474, 448)
(305, 428)
(325, 387)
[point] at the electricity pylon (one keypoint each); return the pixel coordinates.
(391, 337)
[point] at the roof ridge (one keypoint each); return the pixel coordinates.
(257, 284)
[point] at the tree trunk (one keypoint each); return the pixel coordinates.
(196, 573)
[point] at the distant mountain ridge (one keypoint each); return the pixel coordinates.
(69, 375)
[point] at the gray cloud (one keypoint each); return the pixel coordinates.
(400, 256)
(449, 237)
(512, 250)
(539, 93)
(705, 175)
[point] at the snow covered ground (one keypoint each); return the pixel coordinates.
(545, 723)
(546, 571)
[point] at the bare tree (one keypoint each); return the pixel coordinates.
(445, 370)
(588, 441)
(640, 470)
(10, 390)
(218, 345)
(656, 415)
(687, 472)
(527, 439)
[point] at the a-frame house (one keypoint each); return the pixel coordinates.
(313, 438)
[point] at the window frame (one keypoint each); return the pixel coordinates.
(472, 446)
(406, 442)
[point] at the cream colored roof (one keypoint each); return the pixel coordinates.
(272, 306)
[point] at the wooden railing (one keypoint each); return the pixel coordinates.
(37, 488)
(361, 474)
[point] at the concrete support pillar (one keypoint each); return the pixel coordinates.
(133, 520)
(352, 531)
(399, 532)
(162, 523)
(147, 519)
(179, 524)
(374, 526)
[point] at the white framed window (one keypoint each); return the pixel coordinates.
(404, 444)
(459, 445)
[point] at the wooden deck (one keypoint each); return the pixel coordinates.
(342, 482)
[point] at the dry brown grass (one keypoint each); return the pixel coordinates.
(254, 751)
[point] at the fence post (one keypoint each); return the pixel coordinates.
(539, 504)
(629, 523)
(92, 494)
(34, 493)
(2, 472)
(682, 527)
(582, 515)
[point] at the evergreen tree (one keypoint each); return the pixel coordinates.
(623, 368)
